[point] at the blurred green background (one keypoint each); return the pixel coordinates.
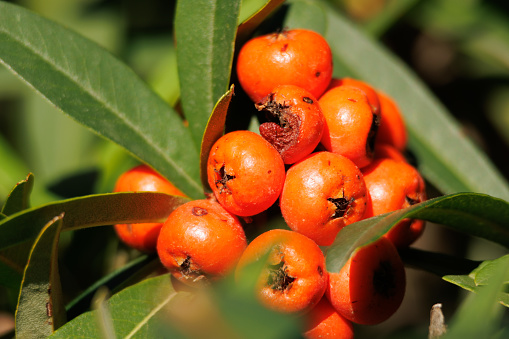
(459, 48)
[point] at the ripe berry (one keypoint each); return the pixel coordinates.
(292, 57)
(322, 194)
(142, 236)
(370, 92)
(200, 241)
(324, 322)
(293, 279)
(392, 128)
(393, 185)
(350, 124)
(295, 123)
(245, 173)
(371, 285)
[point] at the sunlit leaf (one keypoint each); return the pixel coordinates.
(214, 130)
(87, 211)
(471, 213)
(97, 90)
(205, 32)
(40, 308)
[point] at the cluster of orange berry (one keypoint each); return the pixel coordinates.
(330, 153)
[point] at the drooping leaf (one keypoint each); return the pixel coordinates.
(97, 90)
(87, 211)
(12, 264)
(446, 157)
(214, 130)
(19, 199)
(41, 308)
(205, 32)
(134, 312)
(471, 213)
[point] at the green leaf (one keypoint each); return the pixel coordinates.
(306, 14)
(135, 312)
(40, 308)
(12, 264)
(214, 131)
(205, 32)
(247, 26)
(446, 157)
(480, 315)
(471, 213)
(19, 198)
(97, 90)
(88, 211)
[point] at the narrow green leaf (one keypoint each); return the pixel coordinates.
(307, 14)
(247, 27)
(12, 264)
(471, 213)
(19, 198)
(205, 32)
(88, 211)
(135, 312)
(97, 90)
(447, 158)
(40, 308)
(214, 131)
(480, 315)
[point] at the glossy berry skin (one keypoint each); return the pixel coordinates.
(383, 151)
(292, 57)
(392, 128)
(200, 242)
(350, 124)
(394, 185)
(246, 173)
(322, 194)
(295, 122)
(324, 322)
(294, 278)
(370, 287)
(142, 236)
(370, 92)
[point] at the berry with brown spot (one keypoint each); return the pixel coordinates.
(291, 57)
(200, 242)
(246, 173)
(293, 279)
(322, 194)
(295, 122)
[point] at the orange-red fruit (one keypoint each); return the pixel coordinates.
(392, 128)
(200, 241)
(295, 122)
(388, 151)
(324, 322)
(142, 236)
(292, 57)
(246, 173)
(293, 279)
(370, 92)
(322, 194)
(350, 124)
(393, 185)
(370, 287)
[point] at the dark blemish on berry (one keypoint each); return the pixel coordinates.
(269, 171)
(352, 100)
(279, 279)
(199, 211)
(307, 100)
(317, 74)
(342, 206)
(328, 163)
(222, 179)
(320, 270)
(284, 48)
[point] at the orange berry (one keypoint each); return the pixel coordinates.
(294, 278)
(245, 173)
(370, 287)
(143, 236)
(388, 151)
(324, 322)
(200, 241)
(292, 57)
(322, 194)
(350, 124)
(295, 123)
(370, 92)
(392, 128)
(394, 185)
